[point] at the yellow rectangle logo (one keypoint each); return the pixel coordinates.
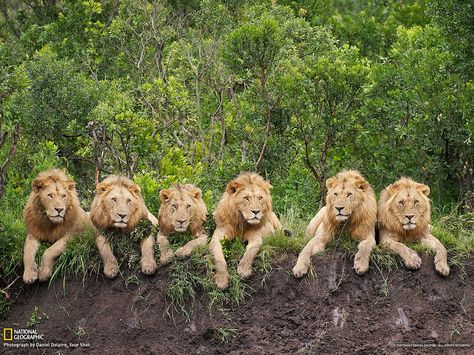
(7, 334)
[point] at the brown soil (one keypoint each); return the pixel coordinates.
(333, 312)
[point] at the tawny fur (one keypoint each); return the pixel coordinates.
(51, 188)
(246, 193)
(117, 195)
(351, 192)
(405, 198)
(182, 209)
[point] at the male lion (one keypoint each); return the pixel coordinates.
(52, 214)
(404, 215)
(244, 211)
(351, 205)
(118, 206)
(182, 209)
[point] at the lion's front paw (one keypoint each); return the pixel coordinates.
(300, 269)
(442, 267)
(221, 280)
(165, 258)
(413, 261)
(182, 252)
(111, 269)
(244, 271)
(361, 264)
(148, 266)
(30, 275)
(44, 272)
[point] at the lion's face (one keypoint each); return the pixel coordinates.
(253, 201)
(345, 194)
(409, 203)
(54, 196)
(180, 205)
(118, 203)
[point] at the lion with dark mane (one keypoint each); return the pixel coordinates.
(350, 205)
(244, 211)
(118, 206)
(52, 214)
(404, 214)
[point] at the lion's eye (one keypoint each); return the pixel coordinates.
(50, 196)
(349, 194)
(335, 194)
(401, 203)
(64, 197)
(416, 202)
(247, 198)
(260, 198)
(174, 206)
(129, 201)
(188, 206)
(114, 199)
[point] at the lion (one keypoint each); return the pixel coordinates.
(182, 208)
(350, 205)
(52, 214)
(244, 211)
(404, 214)
(119, 206)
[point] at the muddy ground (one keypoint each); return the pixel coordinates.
(334, 312)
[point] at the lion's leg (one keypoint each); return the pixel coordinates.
(148, 261)
(30, 248)
(110, 263)
(315, 245)
(409, 256)
(187, 249)
(365, 247)
(222, 275)
(47, 262)
(315, 222)
(253, 246)
(166, 254)
(441, 257)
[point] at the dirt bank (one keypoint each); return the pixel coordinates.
(333, 312)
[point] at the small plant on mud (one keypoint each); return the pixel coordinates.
(132, 280)
(34, 319)
(225, 334)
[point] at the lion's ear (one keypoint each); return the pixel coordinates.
(165, 195)
(233, 187)
(135, 188)
(38, 184)
(331, 182)
(196, 193)
(102, 187)
(424, 189)
(362, 185)
(70, 185)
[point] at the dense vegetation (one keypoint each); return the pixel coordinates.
(197, 91)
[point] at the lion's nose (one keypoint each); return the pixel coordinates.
(122, 215)
(59, 210)
(255, 212)
(339, 209)
(409, 216)
(181, 221)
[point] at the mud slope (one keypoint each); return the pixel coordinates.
(333, 312)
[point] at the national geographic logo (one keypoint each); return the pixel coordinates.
(10, 334)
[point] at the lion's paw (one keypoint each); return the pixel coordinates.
(413, 261)
(148, 266)
(221, 280)
(361, 264)
(166, 258)
(442, 268)
(44, 272)
(30, 275)
(244, 271)
(111, 270)
(300, 269)
(182, 252)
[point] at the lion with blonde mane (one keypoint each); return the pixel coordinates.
(182, 209)
(404, 215)
(52, 214)
(245, 212)
(350, 206)
(118, 206)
